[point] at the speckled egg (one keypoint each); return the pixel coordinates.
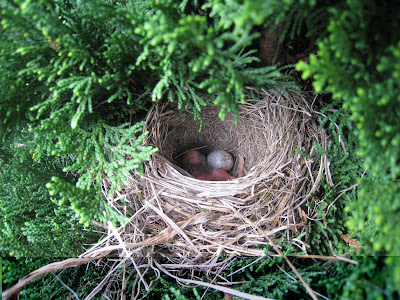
(220, 159)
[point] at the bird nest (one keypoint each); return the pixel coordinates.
(190, 222)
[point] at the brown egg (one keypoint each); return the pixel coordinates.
(219, 159)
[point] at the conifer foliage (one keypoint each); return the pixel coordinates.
(358, 63)
(77, 77)
(32, 223)
(80, 74)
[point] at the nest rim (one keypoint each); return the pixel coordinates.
(193, 221)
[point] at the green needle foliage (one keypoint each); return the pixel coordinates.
(62, 80)
(80, 75)
(191, 54)
(358, 63)
(32, 222)
(329, 218)
(294, 15)
(82, 279)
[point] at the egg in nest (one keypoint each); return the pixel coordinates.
(219, 159)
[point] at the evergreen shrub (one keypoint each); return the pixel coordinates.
(77, 77)
(358, 63)
(81, 74)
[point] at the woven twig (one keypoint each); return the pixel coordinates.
(188, 221)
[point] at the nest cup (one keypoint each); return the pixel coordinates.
(192, 222)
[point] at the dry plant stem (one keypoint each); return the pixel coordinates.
(231, 283)
(12, 293)
(192, 223)
(270, 194)
(127, 253)
(105, 279)
(214, 286)
(305, 284)
(67, 287)
(341, 258)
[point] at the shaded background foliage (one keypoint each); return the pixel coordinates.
(77, 77)
(33, 224)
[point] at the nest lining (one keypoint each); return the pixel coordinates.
(189, 221)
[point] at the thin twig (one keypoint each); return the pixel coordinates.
(67, 287)
(214, 286)
(12, 293)
(341, 258)
(305, 284)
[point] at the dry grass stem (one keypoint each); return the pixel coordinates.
(191, 224)
(188, 221)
